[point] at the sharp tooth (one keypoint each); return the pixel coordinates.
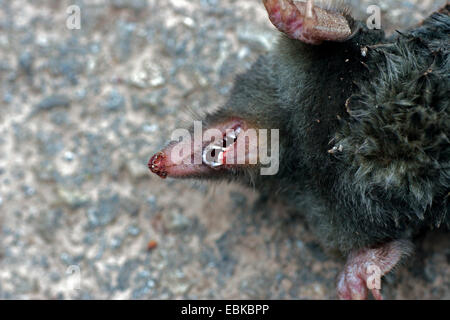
(207, 154)
(232, 135)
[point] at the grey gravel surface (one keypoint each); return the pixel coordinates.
(81, 111)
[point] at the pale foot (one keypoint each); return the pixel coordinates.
(364, 268)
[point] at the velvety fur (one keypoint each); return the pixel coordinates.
(387, 115)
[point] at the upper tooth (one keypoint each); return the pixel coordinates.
(232, 134)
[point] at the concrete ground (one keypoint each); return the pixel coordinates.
(81, 111)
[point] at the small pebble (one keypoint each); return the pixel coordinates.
(116, 242)
(29, 191)
(133, 231)
(152, 244)
(26, 62)
(150, 128)
(115, 101)
(69, 156)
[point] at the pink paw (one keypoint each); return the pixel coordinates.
(365, 268)
(354, 282)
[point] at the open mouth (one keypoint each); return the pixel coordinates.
(189, 158)
(214, 155)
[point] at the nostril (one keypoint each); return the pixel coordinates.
(156, 165)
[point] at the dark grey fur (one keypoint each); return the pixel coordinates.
(387, 112)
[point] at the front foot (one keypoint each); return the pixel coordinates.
(308, 22)
(365, 267)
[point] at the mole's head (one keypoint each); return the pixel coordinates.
(227, 144)
(250, 134)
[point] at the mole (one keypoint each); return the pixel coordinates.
(362, 123)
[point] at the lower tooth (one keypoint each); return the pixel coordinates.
(212, 161)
